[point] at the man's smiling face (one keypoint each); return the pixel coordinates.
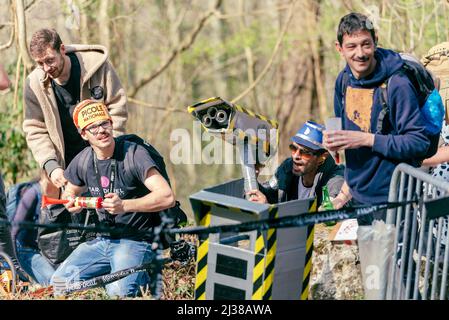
(358, 50)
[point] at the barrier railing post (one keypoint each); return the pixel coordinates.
(404, 274)
(391, 214)
(445, 267)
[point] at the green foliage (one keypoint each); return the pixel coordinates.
(232, 44)
(14, 154)
(16, 161)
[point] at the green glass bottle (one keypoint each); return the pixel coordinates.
(326, 204)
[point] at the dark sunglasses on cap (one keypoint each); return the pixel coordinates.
(303, 152)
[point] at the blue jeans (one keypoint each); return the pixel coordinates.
(103, 256)
(35, 264)
(368, 220)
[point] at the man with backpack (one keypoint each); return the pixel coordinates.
(5, 231)
(134, 192)
(437, 61)
(382, 119)
(24, 205)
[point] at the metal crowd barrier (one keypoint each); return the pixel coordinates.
(419, 266)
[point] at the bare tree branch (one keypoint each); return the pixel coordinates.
(315, 44)
(253, 13)
(273, 55)
(9, 43)
(183, 47)
(437, 20)
(29, 6)
(21, 34)
(16, 83)
(180, 19)
(11, 40)
(104, 22)
(149, 105)
(130, 15)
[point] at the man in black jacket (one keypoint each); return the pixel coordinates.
(6, 245)
(304, 174)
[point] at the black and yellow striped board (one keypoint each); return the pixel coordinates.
(261, 269)
(308, 260)
(270, 257)
(204, 214)
(202, 252)
(273, 123)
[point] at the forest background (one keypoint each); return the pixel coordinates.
(275, 57)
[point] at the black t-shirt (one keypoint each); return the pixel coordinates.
(67, 97)
(129, 184)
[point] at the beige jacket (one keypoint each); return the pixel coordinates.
(42, 124)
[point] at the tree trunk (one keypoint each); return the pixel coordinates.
(296, 85)
(319, 110)
(104, 24)
(21, 35)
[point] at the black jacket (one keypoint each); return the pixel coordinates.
(283, 186)
(6, 245)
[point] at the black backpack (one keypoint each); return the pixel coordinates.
(6, 244)
(57, 245)
(431, 105)
(15, 193)
(175, 214)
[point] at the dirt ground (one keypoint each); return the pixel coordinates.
(335, 275)
(336, 272)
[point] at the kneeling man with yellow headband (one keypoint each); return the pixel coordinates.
(132, 201)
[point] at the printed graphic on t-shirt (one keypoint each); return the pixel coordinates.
(104, 181)
(95, 191)
(358, 106)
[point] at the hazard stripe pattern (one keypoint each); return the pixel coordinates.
(308, 258)
(270, 257)
(259, 266)
(273, 123)
(201, 260)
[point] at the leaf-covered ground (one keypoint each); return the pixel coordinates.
(335, 275)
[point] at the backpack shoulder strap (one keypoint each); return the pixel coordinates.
(385, 107)
(344, 86)
(129, 163)
(344, 82)
(13, 197)
(154, 154)
(82, 162)
(37, 188)
(384, 100)
(123, 141)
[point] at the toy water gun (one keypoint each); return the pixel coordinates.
(84, 202)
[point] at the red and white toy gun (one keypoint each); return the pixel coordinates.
(84, 202)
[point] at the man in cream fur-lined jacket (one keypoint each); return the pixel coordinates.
(66, 75)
